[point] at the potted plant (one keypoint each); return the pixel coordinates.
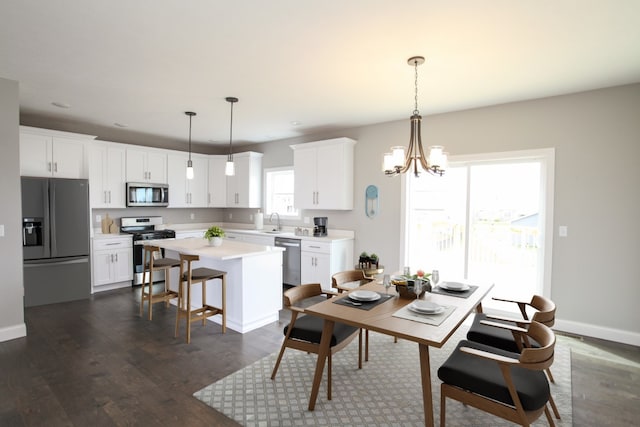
(214, 234)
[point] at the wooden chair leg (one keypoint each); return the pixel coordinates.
(548, 415)
(548, 371)
(395, 340)
(554, 407)
(278, 360)
(329, 376)
(443, 409)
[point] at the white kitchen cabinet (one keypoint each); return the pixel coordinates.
(107, 179)
(324, 174)
(49, 153)
(217, 188)
(112, 262)
(244, 189)
(146, 164)
(185, 192)
(319, 260)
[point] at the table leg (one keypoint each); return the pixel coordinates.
(323, 353)
(425, 373)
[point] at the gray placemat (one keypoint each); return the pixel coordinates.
(458, 294)
(430, 319)
(364, 305)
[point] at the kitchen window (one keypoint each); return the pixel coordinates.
(278, 190)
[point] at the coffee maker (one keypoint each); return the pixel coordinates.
(320, 226)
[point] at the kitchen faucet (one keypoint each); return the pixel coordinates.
(278, 225)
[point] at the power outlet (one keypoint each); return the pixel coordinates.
(98, 218)
(230, 215)
(192, 216)
(307, 220)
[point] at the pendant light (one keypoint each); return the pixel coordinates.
(189, 163)
(229, 169)
(397, 161)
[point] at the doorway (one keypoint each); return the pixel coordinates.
(487, 220)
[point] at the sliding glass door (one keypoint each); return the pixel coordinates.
(484, 221)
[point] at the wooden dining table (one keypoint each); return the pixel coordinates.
(380, 319)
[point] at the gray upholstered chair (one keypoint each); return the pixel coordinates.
(509, 385)
(304, 332)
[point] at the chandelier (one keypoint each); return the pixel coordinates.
(397, 161)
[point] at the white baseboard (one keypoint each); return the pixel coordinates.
(13, 332)
(600, 332)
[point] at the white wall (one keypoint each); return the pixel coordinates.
(11, 304)
(596, 136)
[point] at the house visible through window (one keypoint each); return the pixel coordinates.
(279, 192)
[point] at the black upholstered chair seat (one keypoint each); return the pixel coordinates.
(309, 328)
(484, 377)
(495, 337)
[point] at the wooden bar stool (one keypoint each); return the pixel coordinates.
(200, 275)
(150, 265)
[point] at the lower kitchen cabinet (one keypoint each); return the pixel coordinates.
(320, 260)
(112, 261)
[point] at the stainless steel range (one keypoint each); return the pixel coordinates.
(143, 229)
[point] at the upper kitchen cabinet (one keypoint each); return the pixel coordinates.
(324, 174)
(49, 153)
(183, 192)
(217, 197)
(106, 162)
(245, 187)
(146, 164)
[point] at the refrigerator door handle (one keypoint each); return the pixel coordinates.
(52, 214)
(83, 260)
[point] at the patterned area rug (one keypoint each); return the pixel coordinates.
(386, 392)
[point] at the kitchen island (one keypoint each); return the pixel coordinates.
(254, 279)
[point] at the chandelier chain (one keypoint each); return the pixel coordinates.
(415, 110)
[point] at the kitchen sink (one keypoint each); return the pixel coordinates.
(275, 232)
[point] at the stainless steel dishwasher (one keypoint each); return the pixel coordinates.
(290, 260)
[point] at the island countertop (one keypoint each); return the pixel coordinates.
(227, 251)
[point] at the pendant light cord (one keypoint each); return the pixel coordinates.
(190, 117)
(231, 134)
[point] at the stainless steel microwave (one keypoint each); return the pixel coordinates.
(145, 194)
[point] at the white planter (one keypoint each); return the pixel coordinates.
(215, 241)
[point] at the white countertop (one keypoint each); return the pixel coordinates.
(228, 250)
(333, 234)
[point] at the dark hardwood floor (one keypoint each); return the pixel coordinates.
(97, 363)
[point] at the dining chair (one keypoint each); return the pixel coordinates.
(512, 386)
(490, 330)
(304, 331)
(348, 280)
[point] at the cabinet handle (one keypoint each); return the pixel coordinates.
(116, 257)
(109, 196)
(112, 244)
(104, 199)
(55, 167)
(111, 256)
(317, 197)
(208, 198)
(48, 166)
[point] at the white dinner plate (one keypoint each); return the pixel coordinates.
(364, 295)
(426, 307)
(454, 286)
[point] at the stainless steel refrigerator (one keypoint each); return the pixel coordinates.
(55, 240)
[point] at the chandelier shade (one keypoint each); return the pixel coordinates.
(413, 159)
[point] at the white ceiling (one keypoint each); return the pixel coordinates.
(328, 64)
